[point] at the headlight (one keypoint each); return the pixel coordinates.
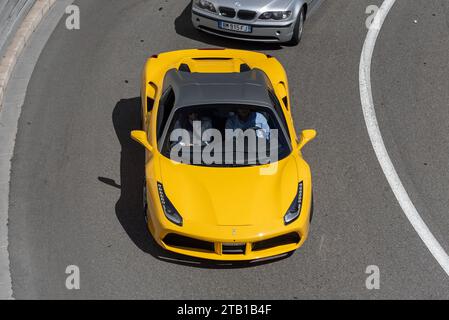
(169, 210)
(205, 5)
(275, 15)
(295, 208)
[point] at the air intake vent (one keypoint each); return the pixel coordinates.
(184, 68)
(244, 67)
(175, 240)
(233, 248)
(227, 12)
(291, 238)
(150, 104)
(246, 15)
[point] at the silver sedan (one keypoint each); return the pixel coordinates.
(279, 21)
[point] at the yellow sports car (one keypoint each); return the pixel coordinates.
(225, 178)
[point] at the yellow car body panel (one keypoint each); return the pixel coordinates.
(223, 205)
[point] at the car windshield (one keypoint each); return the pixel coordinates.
(225, 136)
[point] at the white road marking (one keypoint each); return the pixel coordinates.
(321, 244)
(378, 144)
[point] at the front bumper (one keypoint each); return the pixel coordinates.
(214, 243)
(269, 32)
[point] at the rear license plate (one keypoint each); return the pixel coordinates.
(235, 27)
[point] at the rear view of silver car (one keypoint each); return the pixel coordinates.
(280, 21)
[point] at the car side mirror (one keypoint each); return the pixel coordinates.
(306, 137)
(141, 137)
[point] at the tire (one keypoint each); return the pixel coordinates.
(144, 201)
(298, 29)
(311, 210)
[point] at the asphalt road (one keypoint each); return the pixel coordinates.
(75, 180)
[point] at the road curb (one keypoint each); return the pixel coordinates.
(19, 41)
(8, 62)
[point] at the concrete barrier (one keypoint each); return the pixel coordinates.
(12, 12)
(15, 42)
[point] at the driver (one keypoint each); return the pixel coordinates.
(246, 119)
(195, 131)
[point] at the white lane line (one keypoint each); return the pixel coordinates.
(378, 144)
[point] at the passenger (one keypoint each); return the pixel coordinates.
(246, 119)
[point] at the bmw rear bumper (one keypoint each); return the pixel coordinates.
(276, 33)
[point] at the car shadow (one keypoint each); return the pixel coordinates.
(185, 28)
(126, 117)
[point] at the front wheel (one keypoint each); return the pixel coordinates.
(145, 201)
(298, 29)
(311, 210)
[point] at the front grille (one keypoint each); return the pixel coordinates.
(246, 15)
(233, 248)
(290, 238)
(176, 240)
(227, 12)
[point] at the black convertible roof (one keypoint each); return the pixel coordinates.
(191, 89)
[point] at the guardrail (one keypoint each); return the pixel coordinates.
(12, 12)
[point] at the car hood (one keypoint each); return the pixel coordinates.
(255, 4)
(230, 196)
